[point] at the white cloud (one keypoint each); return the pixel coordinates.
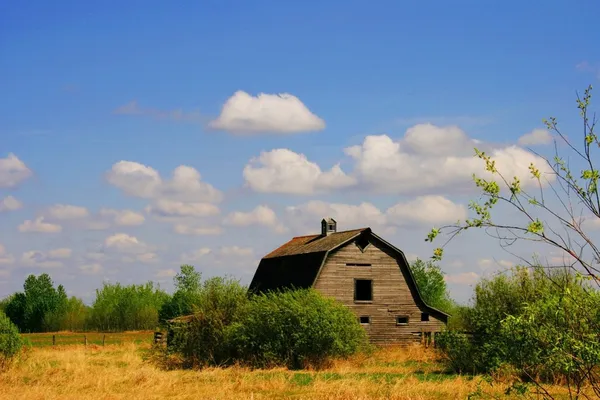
(260, 215)
(432, 210)
(283, 171)
(139, 180)
(225, 256)
(38, 225)
(433, 159)
(67, 212)
(266, 113)
(536, 137)
(196, 255)
(184, 229)
(91, 269)
(41, 259)
(10, 203)
(170, 208)
(424, 210)
(307, 217)
(166, 273)
(13, 171)
(236, 251)
(62, 253)
(122, 217)
(5, 257)
(130, 247)
(463, 278)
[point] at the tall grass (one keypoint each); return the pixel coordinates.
(122, 372)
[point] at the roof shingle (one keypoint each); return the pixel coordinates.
(313, 243)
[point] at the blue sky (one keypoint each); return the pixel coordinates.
(89, 85)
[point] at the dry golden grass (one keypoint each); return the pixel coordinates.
(120, 372)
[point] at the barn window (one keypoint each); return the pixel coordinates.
(363, 290)
(365, 320)
(402, 320)
(424, 317)
(358, 265)
(362, 242)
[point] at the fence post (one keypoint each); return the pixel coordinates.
(53, 340)
(103, 339)
(85, 340)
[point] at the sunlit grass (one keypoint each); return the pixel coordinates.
(123, 372)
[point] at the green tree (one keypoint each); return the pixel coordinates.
(186, 296)
(432, 286)
(556, 209)
(10, 341)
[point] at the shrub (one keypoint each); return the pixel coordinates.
(10, 341)
(201, 339)
(544, 324)
(295, 329)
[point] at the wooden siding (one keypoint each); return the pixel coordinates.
(391, 294)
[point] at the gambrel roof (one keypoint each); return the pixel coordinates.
(298, 263)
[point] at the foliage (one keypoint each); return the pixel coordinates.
(432, 286)
(295, 329)
(10, 341)
(120, 308)
(555, 206)
(202, 340)
(545, 324)
(186, 297)
(39, 307)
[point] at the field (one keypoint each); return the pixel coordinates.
(72, 338)
(122, 371)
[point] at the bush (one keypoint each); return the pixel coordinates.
(544, 324)
(295, 329)
(10, 341)
(201, 339)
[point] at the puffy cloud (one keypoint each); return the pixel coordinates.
(434, 159)
(226, 256)
(5, 257)
(266, 113)
(67, 212)
(424, 210)
(131, 247)
(41, 259)
(307, 217)
(170, 208)
(536, 137)
(463, 278)
(61, 253)
(139, 180)
(13, 171)
(9, 203)
(260, 215)
(283, 171)
(38, 225)
(432, 210)
(185, 229)
(166, 273)
(122, 217)
(91, 269)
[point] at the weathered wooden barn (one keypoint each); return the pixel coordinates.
(360, 269)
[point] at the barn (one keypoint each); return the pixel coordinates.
(361, 270)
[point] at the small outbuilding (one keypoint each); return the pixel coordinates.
(360, 269)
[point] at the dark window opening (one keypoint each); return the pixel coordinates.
(363, 290)
(402, 320)
(424, 317)
(331, 227)
(362, 242)
(365, 320)
(358, 265)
